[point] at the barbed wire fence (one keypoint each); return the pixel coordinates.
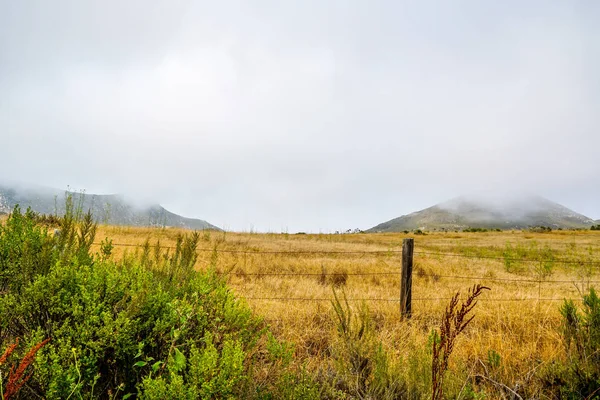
(405, 274)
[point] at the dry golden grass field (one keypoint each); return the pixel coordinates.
(517, 320)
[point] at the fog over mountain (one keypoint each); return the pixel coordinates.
(476, 211)
(302, 116)
(113, 209)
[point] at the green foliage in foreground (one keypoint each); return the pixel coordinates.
(581, 333)
(124, 329)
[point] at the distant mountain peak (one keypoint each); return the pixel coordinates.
(112, 209)
(504, 212)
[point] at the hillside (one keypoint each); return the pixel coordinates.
(109, 209)
(509, 213)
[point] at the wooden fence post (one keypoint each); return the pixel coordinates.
(406, 279)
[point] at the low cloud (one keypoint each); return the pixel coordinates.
(314, 116)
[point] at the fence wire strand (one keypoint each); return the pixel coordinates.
(396, 300)
(373, 252)
(398, 273)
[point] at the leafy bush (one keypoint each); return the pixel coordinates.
(510, 262)
(475, 230)
(545, 265)
(540, 229)
(581, 334)
(26, 250)
(148, 326)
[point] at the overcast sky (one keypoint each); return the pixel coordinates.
(307, 115)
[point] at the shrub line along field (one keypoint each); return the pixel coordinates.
(288, 279)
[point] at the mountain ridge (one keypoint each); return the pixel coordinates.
(112, 209)
(500, 213)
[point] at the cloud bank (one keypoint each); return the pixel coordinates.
(314, 116)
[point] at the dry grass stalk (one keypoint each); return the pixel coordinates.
(9, 350)
(16, 377)
(454, 322)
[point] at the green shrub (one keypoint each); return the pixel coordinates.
(545, 267)
(540, 229)
(148, 326)
(26, 250)
(580, 378)
(510, 263)
(475, 230)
